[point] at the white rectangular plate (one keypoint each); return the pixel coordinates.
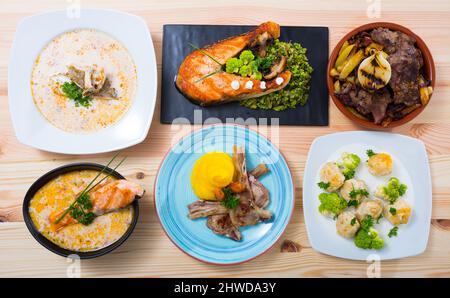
(33, 34)
(410, 166)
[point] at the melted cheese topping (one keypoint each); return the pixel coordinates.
(58, 194)
(83, 47)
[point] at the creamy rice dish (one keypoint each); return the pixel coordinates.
(58, 194)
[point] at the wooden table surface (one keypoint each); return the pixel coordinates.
(149, 253)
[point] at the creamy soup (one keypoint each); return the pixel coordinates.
(83, 48)
(57, 195)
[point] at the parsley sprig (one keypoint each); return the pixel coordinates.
(230, 201)
(349, 174)
(367, 223)
(358, 192)
(370, 153)
(393, 232)
(324, 185)
(81, 206)
(354, 203)
(393, 210)
(74, 92)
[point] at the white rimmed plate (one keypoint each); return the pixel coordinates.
(33, 34)
(410, 166)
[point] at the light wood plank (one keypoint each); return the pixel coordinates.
(149, 252)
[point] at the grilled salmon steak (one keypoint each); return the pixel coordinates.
(202, 78)
(110, 197)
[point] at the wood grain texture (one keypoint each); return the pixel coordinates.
(149, 252)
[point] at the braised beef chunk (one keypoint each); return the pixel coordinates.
(371, 104)
(387, 38)
(405, 60)
(380, 101)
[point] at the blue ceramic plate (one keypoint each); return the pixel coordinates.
(173, 193)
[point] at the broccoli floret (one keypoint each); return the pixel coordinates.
(348, 164)
(253, 66)
(348, 173)
(233, 65)
(367, 223)
(255, 73)
(393, 190)
(246, 56)
(245, 71)
(256, 76)
(349, 161)
(331, 203)
(368, 239)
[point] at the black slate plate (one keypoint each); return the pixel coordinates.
(175, 108)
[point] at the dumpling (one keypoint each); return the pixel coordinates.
(398, 213)
(347, 225)
(353, 185)
(372, 207)
(380, 164)
(330, 173)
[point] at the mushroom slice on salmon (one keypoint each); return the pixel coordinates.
(193, 80)
(108, 198)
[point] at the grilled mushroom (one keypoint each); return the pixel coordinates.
(276, 68)
(260, 43)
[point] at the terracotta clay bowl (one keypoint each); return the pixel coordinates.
(428, 68)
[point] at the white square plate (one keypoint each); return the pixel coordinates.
(410, 166)
(33, 34)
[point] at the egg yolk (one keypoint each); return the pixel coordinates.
(211, 171)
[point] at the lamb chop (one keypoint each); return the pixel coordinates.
(221, 224)
(205, 208)
(260, 170)
(260, 193)
(247, 212)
